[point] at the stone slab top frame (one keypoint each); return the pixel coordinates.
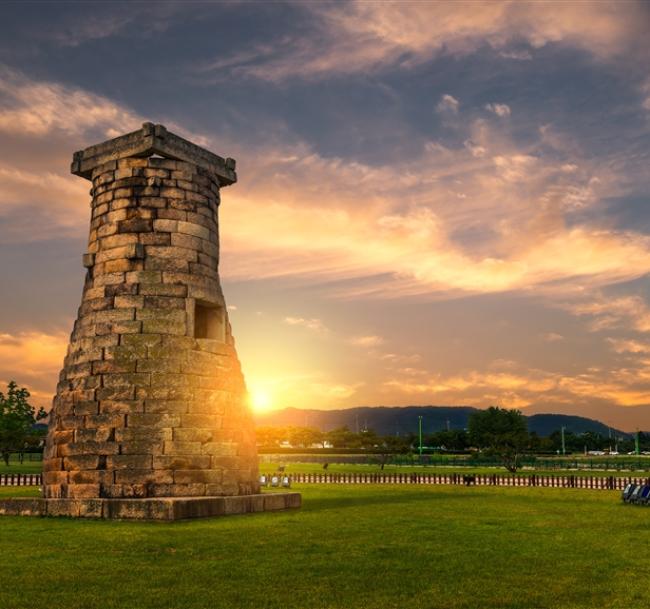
(152, 139)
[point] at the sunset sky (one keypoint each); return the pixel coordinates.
(437, 203)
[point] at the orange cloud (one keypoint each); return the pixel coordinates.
(608, 313)
(525, 387)
(37, 108)
(316, 325)
(552, 337)
(620, 345)
(33, 359)
(404, 234)
(367, 341)
(404, 237)
(57, 120)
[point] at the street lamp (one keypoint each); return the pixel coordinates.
(420, 434)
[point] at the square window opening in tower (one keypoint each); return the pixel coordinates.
(209, 322)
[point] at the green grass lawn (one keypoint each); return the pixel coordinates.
(19, 491)
(371, 547)
(26, 467)
(34, 467)
(332, 468)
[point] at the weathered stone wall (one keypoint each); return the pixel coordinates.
(143, 407)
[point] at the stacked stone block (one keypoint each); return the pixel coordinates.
(151, 400)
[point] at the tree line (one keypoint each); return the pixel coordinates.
(497, 433)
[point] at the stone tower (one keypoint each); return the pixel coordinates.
(151, 400)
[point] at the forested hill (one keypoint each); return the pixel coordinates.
(400, 420)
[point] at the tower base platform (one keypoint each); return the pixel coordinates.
(154, 508)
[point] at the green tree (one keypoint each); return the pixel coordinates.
(500, 432)
(390, 446)
(368, 439)
(305, 436)
(17, 418)
(342, 437)
(454, 439)
(269, 436)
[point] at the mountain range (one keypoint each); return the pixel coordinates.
(386, 420)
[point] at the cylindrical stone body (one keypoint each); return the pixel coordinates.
(151, 400)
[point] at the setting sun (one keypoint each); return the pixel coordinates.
(260, 400)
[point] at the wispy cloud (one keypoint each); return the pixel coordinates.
(608, 313)
(621, 345)
(111, 20)
(356, 36)
(315, 325)
(517, 55)
(407, 238)
(552, 337)
(501, 110)
(645, 92)
(38, 108)
(448, 103)
(41, 124)
(367, 341)
(522, 388)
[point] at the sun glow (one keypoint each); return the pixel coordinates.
(260, 400)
